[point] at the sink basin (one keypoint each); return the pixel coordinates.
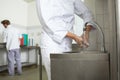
(84, 65)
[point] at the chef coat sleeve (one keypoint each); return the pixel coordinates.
(56, 28)
(82, 11)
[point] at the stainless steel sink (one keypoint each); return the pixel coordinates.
(80, 64)
(86, 65)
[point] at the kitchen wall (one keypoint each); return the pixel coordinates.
(16, 12)
(99, 9)
(104, 13)
(32, 18)
(34, 26)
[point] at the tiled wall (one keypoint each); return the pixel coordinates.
(99, 9)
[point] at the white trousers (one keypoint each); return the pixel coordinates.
(48, 46)
(14, 55)
(46, 60)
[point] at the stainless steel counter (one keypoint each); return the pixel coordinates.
(86, 65)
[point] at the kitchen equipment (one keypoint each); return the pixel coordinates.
(87, 65)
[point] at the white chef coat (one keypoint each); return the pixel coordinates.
(11, 37)
(1, 33)
(58, 18)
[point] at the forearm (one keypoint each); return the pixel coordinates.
(77, 39)
(85, 35)
(71, 35)
(87, 29)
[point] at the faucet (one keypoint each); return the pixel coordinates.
(103, 49)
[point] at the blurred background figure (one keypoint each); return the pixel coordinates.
(11, 37)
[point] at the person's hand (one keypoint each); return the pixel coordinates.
(79, 41)
(85, 38)
(85, 35)
(88, 28)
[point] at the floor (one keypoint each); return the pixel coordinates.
(30, 73)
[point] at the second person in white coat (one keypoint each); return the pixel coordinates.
(11, 36)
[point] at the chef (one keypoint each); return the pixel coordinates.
(57, 19)
(11, 37)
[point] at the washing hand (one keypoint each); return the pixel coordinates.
(85, 40)
(79, 41)
(85, 36)
(82, 41)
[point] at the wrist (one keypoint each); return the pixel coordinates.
(88, 28)
(71, 35)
